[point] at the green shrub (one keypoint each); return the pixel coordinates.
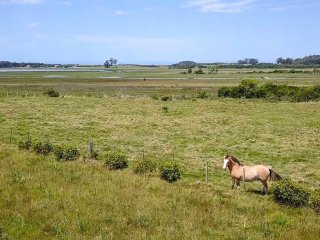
(198, 71)
(66, 153)
(143, 166)
(290, 193)
(203, 95)
(166, 98)
(224, 92)
(51, 93)
(170, 171)
(165, 108)
(315, 201)
(250, 89)
(43, 148)
(115, 160)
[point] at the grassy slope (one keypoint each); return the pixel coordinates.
(43, 199)
(284, 135)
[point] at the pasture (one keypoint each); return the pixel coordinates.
(121, 108)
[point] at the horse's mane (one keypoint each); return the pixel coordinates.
(235, 160)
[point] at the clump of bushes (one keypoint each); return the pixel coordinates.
(51, 93)
(66, 153)
(116, 160)
(43, 148)
(144, 165)
(198, 71)
(170, 171)
(203, 95)
(165, 108)
(290, 193)
(166, 98)
(250, 89)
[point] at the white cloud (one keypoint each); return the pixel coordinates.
(220, 6)
(124, 40)
(120, 12)
(276, 9)
(67, 3)
(32, 25)
(26, 2)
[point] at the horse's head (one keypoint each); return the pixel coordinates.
(226, 160)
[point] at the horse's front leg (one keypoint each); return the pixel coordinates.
(232, 183)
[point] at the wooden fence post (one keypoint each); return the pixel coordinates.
(206, 171)
(10, 136)
(244, 178)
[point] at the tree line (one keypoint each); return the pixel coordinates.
(308, 60)
(7, 64)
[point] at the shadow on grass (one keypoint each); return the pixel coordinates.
(256, 191)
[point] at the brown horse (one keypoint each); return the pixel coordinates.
(251, 173)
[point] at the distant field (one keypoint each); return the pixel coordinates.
(131, 80)
(45, 199)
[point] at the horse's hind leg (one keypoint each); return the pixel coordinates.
(265, 186)
(238, 184)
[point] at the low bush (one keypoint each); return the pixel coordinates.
(250, 89)
(198, 71)
(170, 171)
(51, 93)
(315, 201)
(166, 98)
(143, 166)
(43, 148)
(290, 193)
(224, 92)
(165, 108)
(66, 153)
(116, 160)
(203, 95)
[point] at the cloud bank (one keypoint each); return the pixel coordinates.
(220, 6)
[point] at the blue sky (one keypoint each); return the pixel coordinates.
(157, 32)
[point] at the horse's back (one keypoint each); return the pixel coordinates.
(263, 172)
(256, 172)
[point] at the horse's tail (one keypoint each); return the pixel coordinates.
(274, 176)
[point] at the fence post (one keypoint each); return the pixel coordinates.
(244, 178)
(91, 148)
(206, 171)
(10, 136)
(142, 154)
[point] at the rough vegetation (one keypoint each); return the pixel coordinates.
(170, 171)
(290, 193)
(116, 160)
(250, 89)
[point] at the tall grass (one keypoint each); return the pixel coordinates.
(45, 199)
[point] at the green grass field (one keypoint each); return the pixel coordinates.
(45, 199)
